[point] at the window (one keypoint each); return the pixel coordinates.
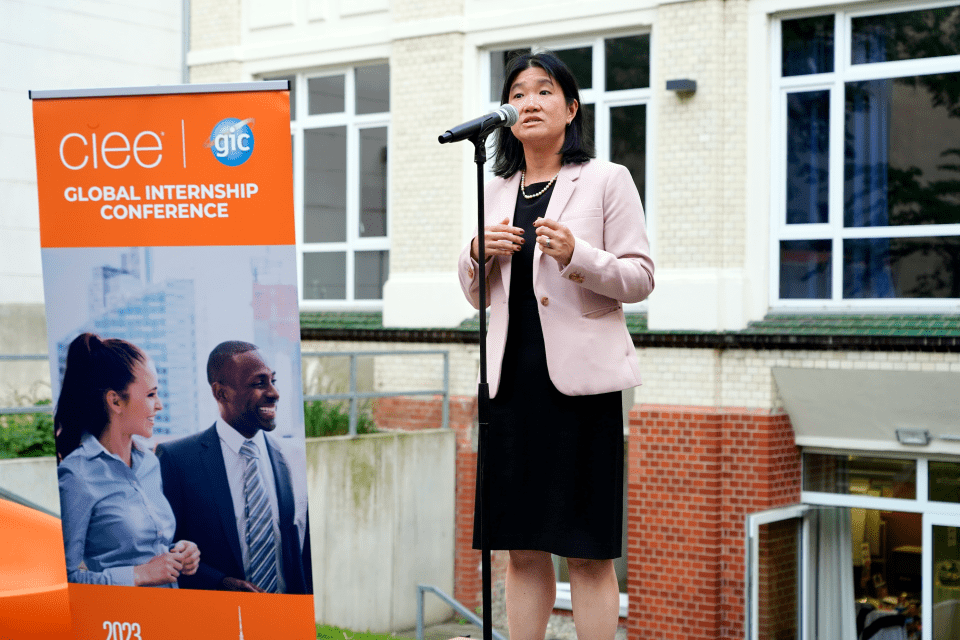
(339, 126)
(614, 78)
(867, 193)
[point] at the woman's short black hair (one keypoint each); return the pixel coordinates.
(577, 147)
(94, 367)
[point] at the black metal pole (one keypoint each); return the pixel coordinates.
(483, 399)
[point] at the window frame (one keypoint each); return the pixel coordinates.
(834, 230)
(354, 123)
(602, 101)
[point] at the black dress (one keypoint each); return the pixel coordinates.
(555, 462)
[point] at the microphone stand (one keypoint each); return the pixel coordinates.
(483, 397)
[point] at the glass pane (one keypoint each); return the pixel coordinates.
(373, 89)
(946, 584)
(805, 270)
(628, 142)
(627, 62)
(324, 276)
(807, 46)
(902, 159)
(944, 481)
(778, 580)
(373, 182)
(901, 268)
(908, 35)
(326, 94)
(325, 185)
(371, 269)
(293, 93)
(580, 62)
(859, 475)
(808, 163)
(498, 63)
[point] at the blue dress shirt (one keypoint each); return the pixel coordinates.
(114, 516)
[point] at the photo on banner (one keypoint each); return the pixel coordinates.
(169, 262)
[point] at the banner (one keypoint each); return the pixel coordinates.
(169, 262)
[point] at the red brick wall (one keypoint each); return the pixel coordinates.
(694, 474)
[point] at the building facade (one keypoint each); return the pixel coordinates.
(794, 446)
(801, 199)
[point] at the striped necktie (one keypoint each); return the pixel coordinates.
(262, 569)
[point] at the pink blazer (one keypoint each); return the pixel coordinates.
(589, 349)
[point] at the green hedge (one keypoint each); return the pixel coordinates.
(333, 419)
(27, 435)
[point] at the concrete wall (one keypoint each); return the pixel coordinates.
(34, 479)
(381, 522)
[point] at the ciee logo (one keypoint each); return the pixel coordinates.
(231, 141)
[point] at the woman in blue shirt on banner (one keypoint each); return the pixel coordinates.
(117, 525)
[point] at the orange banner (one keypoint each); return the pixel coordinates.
(167, 232)
(133, 613)
(165, 170)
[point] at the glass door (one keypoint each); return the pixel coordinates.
(775, 580)
(941, 579)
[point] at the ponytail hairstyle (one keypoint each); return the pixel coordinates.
(94, 367)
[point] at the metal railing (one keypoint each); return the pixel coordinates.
(354, 396)
(459, 608)
(38, 408)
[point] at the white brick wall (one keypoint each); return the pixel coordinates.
(694, 377)
(409, 10)
(214, 23)
(426, 179)
(216, 72)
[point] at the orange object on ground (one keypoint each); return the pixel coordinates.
(34, 601)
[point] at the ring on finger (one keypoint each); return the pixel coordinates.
(547, 242)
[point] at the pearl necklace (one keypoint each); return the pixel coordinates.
(523, 179)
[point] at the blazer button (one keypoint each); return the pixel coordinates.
(545, 301)
(470, 273)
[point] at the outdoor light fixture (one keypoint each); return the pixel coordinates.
(683, 85)
(913, 436)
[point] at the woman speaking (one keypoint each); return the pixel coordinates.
(117, 524)
(566, 246)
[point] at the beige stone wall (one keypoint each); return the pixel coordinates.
(214, 23)
(701, 156)
(409, 10)
(426, 179)
(216, 72)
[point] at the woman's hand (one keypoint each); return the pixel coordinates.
(162, 569)
(555, 240)
(189, 556)
(498, 240)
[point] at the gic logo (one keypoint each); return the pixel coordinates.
(231, 141)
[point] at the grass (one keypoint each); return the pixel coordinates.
(327, 632)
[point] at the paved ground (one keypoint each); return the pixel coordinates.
(559, 628)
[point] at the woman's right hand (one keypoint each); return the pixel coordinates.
(498, 240)
(162, 569)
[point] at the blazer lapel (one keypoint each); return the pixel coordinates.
(505, 207)
(562, 190)
(290, 544)
(211, 458)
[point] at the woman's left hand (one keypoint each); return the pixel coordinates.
(189, 556)
(555, 240)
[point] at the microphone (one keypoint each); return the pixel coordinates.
(505, 116)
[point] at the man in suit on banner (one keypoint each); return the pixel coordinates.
(230, 487)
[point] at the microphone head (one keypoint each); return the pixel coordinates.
(510, 114)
